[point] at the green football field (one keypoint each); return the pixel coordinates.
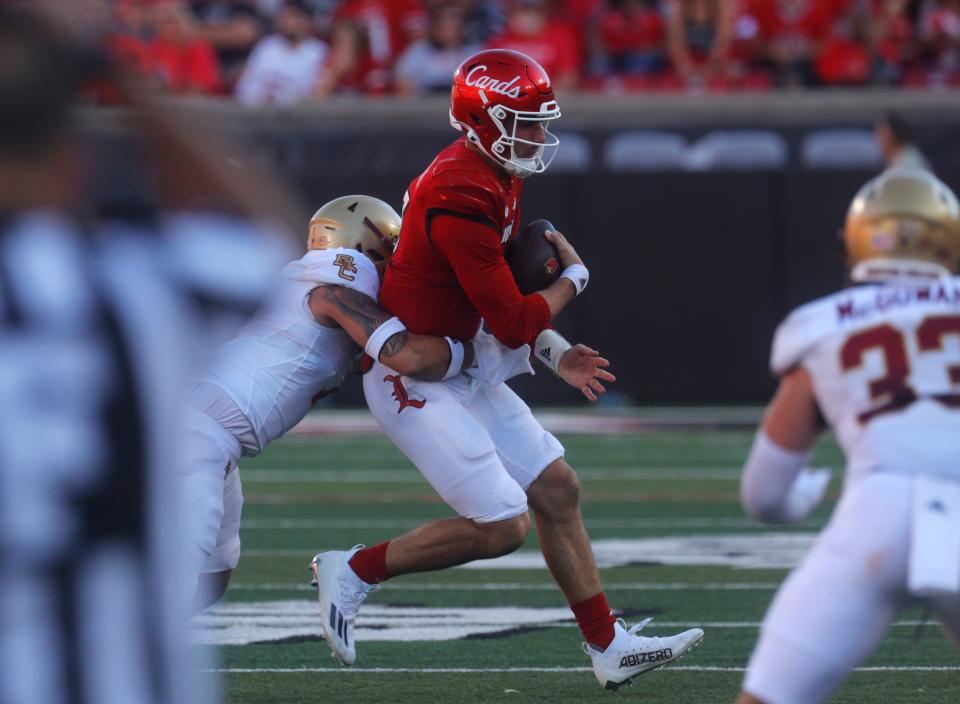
(661, 508)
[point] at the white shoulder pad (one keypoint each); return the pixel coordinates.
(800, 333)
(337, 267)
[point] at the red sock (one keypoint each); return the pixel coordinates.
(595, 620)
(370, 564)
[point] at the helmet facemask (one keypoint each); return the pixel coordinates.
(519, 155)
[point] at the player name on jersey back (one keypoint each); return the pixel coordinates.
(885, 365)
(887, 298)
(845, 310)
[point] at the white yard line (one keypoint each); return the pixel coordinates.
(716, 624)
(598, 523)
(267, 475)
(523, 586)
(488, 670)
(747, 549)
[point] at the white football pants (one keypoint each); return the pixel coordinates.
(479, 446)
(835, 607)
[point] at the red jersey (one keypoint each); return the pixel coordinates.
(448, 271)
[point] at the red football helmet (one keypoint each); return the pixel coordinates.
(504, 101)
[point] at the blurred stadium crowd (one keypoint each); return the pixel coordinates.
(282, 52)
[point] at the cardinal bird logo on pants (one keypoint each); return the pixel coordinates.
(400, 394)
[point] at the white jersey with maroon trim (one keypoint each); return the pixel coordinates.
(885, 364)
(283, 360)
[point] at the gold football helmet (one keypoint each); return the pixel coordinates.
(362, 223)
(904, 224)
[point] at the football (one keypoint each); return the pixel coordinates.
(533, 259)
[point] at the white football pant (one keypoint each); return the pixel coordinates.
(836, 606)
(212, 496)
(479, 446)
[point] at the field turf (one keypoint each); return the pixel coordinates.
(308, 494)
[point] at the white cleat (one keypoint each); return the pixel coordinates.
(629, 655)
(340, 592)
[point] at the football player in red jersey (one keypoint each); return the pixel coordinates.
(471, 436)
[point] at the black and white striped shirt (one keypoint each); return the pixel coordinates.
(98, 334)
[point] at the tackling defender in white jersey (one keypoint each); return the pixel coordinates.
(295, 351)
(882, 363)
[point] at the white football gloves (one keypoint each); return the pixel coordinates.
(777, 484)
(806, 493)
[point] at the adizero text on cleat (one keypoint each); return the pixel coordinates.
(629, 654)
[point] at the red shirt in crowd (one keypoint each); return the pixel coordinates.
(578, 11)
(389, 26)
(556, 48)
(187, 68)
(128, 51)
(448, 271)
(795, 24)
(621, 34)
(842, 61)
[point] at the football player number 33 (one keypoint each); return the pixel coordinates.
(892, 390)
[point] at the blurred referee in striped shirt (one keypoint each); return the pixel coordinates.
(100, 325)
